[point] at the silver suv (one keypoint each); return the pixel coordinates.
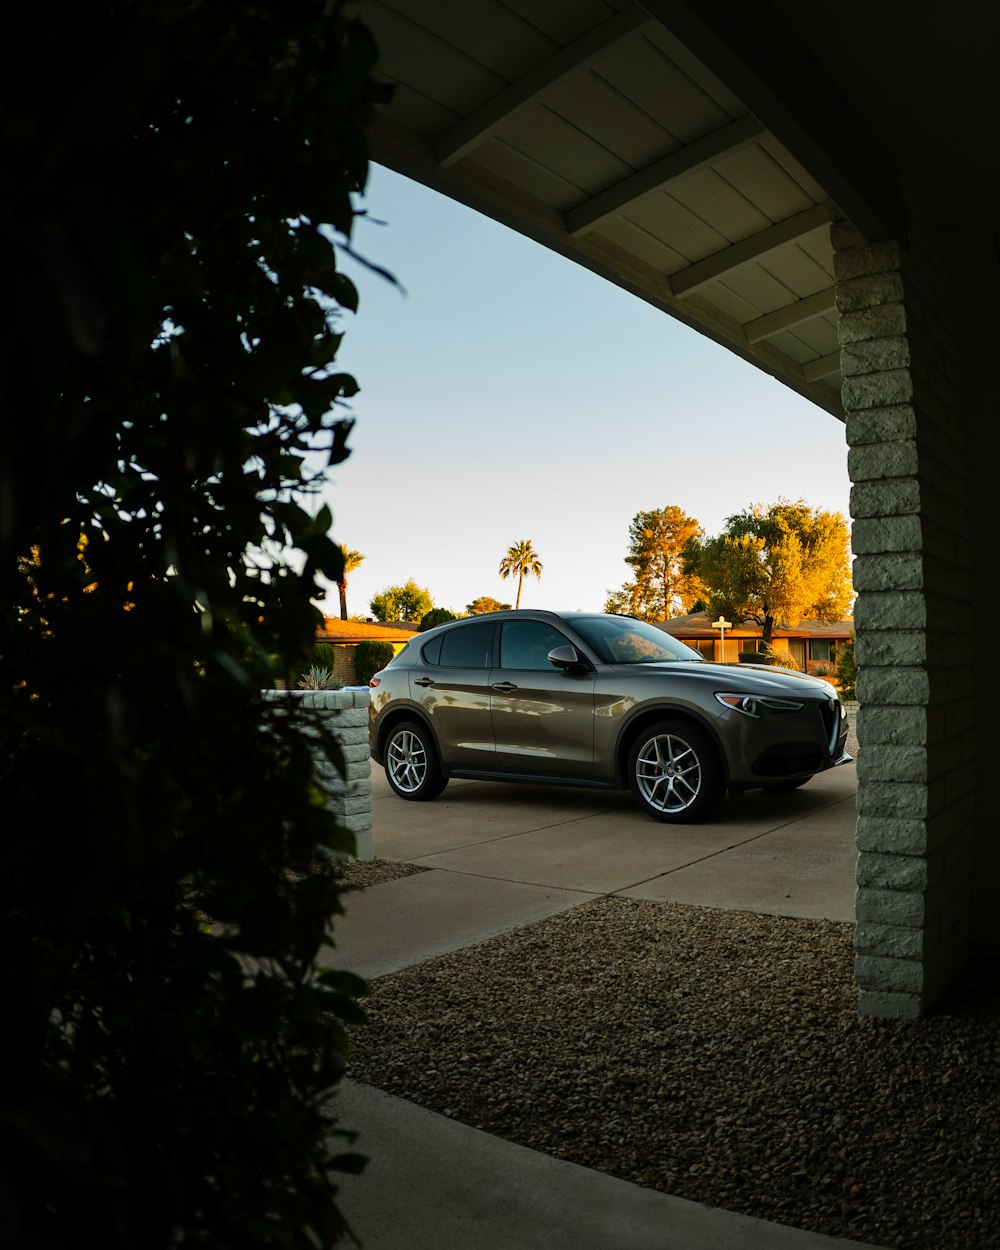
(586, 699)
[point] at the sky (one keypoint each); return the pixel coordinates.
(507, 394)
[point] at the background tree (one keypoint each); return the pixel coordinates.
(521, 558)
(436, 616)
(777, 565)
(408, 602)
(629, 601)
(175, 171)
(847, 670)
(352, 560)
(663, 587)
(485, 604)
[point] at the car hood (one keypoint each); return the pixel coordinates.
(753, 678)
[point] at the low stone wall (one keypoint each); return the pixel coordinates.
(350, 796)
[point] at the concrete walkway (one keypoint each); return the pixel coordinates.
(502, 856)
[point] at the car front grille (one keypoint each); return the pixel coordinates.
(788, 761)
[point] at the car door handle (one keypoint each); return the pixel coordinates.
(504, 687)
(423, 681)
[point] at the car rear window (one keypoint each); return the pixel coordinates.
(430, 652)
(468, 646)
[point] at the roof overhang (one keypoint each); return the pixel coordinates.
(691, 153)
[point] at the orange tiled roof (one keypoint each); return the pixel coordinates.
(335, 631)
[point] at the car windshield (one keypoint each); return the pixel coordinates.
(623, 640)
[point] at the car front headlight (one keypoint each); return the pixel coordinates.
(757, 705)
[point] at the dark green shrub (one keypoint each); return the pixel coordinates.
(323, 656)
(436, 616)
(847, 671)
(171, 1046)
(777, 659)
(369, 657)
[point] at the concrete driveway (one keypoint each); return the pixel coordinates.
(501, 855)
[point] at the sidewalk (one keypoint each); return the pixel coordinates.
(499, 857)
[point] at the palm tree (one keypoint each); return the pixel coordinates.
(351, 561)
(521, 558)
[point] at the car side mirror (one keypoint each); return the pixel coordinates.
(567, 658)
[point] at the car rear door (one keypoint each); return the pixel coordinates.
(451, 686)
(543, 717)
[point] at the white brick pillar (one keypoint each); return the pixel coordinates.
(912, 620)
(349, 796)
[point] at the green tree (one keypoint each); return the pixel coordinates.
(777, 565)
(521, 558)
(629, 601)
(436, 616)
(485, 603)
(352, 560)
(176, 171)
(408, 602)
(662, 587)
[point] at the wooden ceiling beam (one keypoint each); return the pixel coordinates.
(791, 315)
(823, 367)
(707, 150)
(576, 57)
(754, 51)
(749, 250)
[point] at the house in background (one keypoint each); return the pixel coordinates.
(344, 637)
(813, 645)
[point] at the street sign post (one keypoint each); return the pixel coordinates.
(722, 625)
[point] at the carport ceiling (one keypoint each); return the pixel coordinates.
(692, 159)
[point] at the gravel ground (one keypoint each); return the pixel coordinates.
(715, 1056)
(359, 874)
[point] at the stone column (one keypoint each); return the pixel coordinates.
(912, 622)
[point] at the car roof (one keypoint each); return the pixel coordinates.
(516, 614)
(523, 613)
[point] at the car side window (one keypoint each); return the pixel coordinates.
(467, 646)
(430, 652)
(526, 645)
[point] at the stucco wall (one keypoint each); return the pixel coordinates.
(343, 664)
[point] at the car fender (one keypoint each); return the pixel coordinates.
(647, 714)
(398, 711)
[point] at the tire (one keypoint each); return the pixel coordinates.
(411, 765)
(674, 772)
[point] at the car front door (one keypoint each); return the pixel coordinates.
(543, 717)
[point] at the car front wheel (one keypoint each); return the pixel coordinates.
(674, 772)
(411, 763)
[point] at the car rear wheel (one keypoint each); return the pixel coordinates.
(411, 763)
(674, 772)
